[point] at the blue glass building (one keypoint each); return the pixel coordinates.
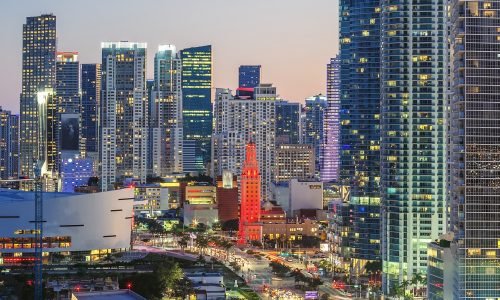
(360, 124)
(197, 103)
(287, 122)
(91, 95)
(249, 76)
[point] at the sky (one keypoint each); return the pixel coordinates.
(293, 40)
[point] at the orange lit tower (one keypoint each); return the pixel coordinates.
(250, 227)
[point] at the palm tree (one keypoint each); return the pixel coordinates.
(183, 242)
(201, 243)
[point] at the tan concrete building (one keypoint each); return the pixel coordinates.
(291, 231)
(294, 162)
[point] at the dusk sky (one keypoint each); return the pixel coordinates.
(292, 39)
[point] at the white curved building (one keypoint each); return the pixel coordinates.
(87, 223)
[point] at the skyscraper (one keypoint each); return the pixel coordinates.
(124, 114)
(67, 86)
(166, 113)
(312, 129)
(413, 134)
(360, 124)
(90, 101)
(287, 122)
(9, 145)
(249, 76)
(197, 103)
(67, 101)
(330, 143)
(39, 73)
(249, 227)
(474, 189)
(293, 161)
(238, 121)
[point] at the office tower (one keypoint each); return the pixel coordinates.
(250, 228)
(39, 71)
(312, 129)
(294, 161)
(124, 113)
(197, 103)
(238, 121)
(9, 145)
(359, 124)
(474, 148)
(287, 122)
(166, 113)
(67, 101)
(90, 101)
(330, 144)
(67, 86)
(413, 134)
(249, 76)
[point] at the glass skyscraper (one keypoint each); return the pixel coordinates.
(249, 76)
(287, 122)
(91, 95)
(312, 129)
(38, 75)
(197, 103)
(360, 124)
(475, 148)
(330, 143)
(413, 134)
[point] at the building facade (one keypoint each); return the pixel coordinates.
(312, 128)
(9, 145)
(294, 162)
(249, 76)
(250, 228)
(90, 105)
(413, 134)
(166, 113)
(239, 120)
(474, 148)
(197, 103)
(88, 222)
(38, 73)
(287, 122)
(331, 122)
(123, 114)
(360, 123)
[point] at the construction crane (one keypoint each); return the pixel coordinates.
(38, 231)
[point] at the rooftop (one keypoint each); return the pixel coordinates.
(106, 295)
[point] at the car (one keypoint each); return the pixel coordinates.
(289, 260)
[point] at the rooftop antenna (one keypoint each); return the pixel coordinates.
(38, 231)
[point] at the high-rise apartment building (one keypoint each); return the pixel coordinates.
(312, 129)
(9, 145)
(38, 74)
(360, 124)
(249, 76)
(197, 103)
(414, 64)
(331, 122)
(294, 161)
(474, 186)
(287, 122)
(90, 101)
(123, 114)
(240, 120)
(166, 113)
(250, 228)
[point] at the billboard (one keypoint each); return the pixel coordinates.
(70, 132)
(311, 295)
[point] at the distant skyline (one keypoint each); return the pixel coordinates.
(293, 40)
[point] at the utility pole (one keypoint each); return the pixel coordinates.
(38, 231)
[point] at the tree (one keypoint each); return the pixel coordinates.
(201, 243)
(231, 225)
(183, 242)
(373, 267)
